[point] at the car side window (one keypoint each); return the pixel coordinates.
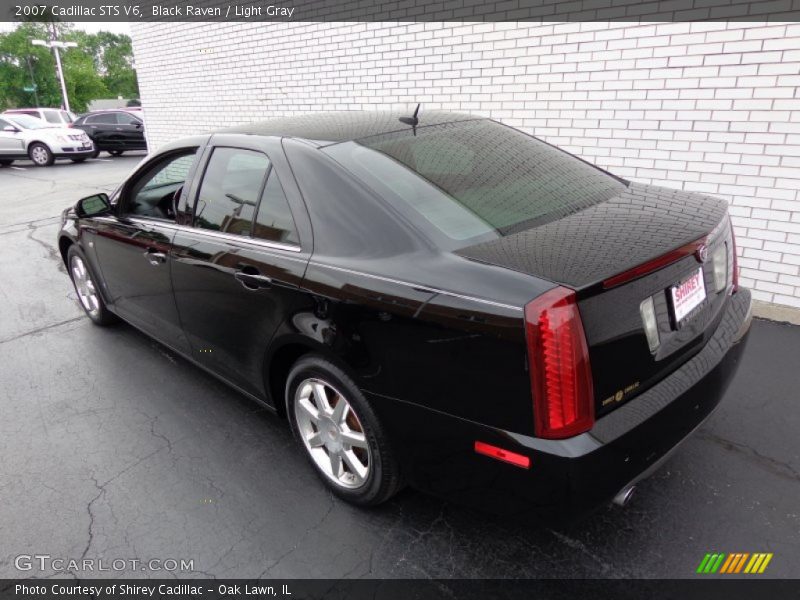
(124, 119)
(274, 219)
(152, 194)
(51, 116)
(4, 124)
(230, 190)
(106, 119)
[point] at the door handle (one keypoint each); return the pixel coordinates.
(253, 281)
(155, 258)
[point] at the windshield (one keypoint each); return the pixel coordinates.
(474, 180)
(27, 122)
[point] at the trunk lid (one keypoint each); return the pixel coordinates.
(617, 254)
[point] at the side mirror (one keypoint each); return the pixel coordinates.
(92, 206)
(137, 125)
(10, 128)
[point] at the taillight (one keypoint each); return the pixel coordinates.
(735, 268)
(561, 376)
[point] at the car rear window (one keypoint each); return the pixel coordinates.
(474, 180)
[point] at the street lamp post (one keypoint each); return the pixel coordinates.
(55, 45)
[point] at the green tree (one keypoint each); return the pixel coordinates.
(100, 67)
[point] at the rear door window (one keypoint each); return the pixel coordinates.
(274, 219)
(105, 119)
(230, 190)
(126, 119)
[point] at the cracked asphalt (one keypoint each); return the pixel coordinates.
(113, 447)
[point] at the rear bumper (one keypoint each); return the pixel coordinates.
(572, 476)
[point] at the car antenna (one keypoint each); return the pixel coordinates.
(412, 120)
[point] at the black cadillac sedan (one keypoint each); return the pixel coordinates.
(114, 131)
(440, 301)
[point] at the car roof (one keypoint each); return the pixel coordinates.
(102, 111)
(333, 127)
(16, 110)
(106, 111)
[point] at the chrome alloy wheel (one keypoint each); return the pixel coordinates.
(332, 433)
(39, 155)
(85, 286)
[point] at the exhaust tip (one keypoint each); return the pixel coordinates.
(624, 496)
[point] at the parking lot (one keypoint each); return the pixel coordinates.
(113, 447)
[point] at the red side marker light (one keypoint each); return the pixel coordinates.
(518, 460)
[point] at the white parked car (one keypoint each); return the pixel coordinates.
(23, 136)
(54, 116)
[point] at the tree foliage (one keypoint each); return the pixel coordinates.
(100, 67)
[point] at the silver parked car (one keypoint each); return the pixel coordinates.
(23, 136)
(54, 116)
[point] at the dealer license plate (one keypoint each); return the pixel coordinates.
(688, 295)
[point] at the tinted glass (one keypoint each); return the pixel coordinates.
(4, 124)
(152, 194)
(474, 180)
(107, 119)
(230, 190)
(126, 119)
(52, 116)
(274, 218)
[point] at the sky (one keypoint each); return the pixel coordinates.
(113, 27)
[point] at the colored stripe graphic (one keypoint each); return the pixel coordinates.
(734, 563)
(727, 564)
(730, 565)
(755, 562)
(703, 563)
(713, 567)
(765, 563)
(740, 564)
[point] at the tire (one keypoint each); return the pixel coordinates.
(95, 153)
(78, 160)
(366, 475)
(88, 295)
(5, 163)
(40, 154)
(116, 152)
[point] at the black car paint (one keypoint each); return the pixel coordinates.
(434, 339)
(113, 136)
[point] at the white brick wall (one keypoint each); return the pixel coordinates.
(706, 106)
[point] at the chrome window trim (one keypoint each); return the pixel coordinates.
(231, 237)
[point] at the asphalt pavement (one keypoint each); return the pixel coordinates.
(112, 447)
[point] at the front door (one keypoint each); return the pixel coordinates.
(237, 271)
(133, 247)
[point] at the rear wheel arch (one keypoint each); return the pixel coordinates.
(281, 360)
(277, 371)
